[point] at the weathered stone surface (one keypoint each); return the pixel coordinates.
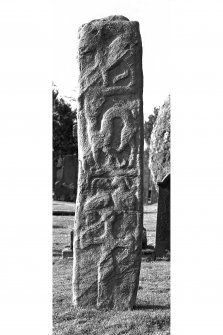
(109, 207)
(163, 218)
(159, 159)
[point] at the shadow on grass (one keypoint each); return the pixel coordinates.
(149, 307)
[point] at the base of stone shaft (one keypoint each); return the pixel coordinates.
(124, 299)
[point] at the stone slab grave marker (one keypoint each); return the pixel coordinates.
(65, 188)
(163, 218)
(109, 207)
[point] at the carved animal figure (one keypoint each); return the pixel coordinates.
(124, 196)
(101, 139)
(102, 197)
(96, 55)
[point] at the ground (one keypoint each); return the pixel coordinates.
(151, 314)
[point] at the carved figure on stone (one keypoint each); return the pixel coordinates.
(101, 198)
(124, 196)
(101, 57)
(100, 140)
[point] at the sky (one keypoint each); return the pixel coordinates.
(154, 19)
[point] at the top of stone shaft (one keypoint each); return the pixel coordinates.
(113, 18)
(104, 20)
(109, 18)
(95, 31)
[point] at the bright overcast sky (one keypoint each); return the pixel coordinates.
(154, 19)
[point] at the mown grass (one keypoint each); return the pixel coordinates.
(151, 314)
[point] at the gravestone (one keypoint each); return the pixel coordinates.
(109, 207)
(154, 193)
(59, 167)
(146, 178)
(65, 189)
(70, 165)
(67, 252)
(163, 218)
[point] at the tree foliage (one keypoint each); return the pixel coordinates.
(148, 125)
(159, 150)
(64, 126)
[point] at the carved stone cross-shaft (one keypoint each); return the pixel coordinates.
(109, 206)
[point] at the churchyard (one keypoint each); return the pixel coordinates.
(151, 314)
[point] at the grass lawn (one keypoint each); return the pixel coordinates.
(151, 314)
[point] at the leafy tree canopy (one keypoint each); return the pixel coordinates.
(148, 125)
(159, 150)
(64, 126)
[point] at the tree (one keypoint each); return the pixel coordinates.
(64, 126)
(148, 125)
(159, 150)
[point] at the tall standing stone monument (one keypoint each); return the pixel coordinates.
(109, 207)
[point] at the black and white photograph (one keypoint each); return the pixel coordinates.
(111, 170)
(111, 182)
